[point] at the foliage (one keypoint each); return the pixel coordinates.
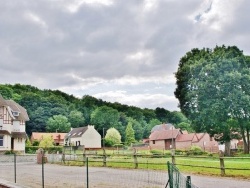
(112, 137)
(42, 105)
(46, 142)
(195, 150)
(130, 135)
(213, 86)
(33, 149)
(27, 142)
(35, 143)
(58, 123)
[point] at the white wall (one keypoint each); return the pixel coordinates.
(6, 143)
(91, 138)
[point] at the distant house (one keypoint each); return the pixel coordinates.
(57, 137)
(83, 136)
(12, 126)
(203, 140)
(163, 136)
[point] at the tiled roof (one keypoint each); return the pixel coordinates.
(185, 137)
(39, 136)
(18, 135)
(77, 132)
(162, 127)
(164, 134)
(2, 101)
(18, 108)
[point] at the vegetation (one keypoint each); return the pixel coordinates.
(213, 88)
(113, 137)
(47, 108)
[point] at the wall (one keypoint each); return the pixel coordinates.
(159, 144)
(91, 138)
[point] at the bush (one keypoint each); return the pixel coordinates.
(33, 149)
(195, 150)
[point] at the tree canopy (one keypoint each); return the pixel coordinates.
(213, 88)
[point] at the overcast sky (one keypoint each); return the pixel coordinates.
(116, 50)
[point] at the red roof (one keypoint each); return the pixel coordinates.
(164, 134)
(185, 137)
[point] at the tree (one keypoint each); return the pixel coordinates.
(213, 87)
(58, 123)
(112, 137)
(104, 117)
(46, 142)
(76, 118)
(130, 134)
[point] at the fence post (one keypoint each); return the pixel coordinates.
(104, 158)
(15, 166)
(188, 182)
(173, 157)
(222, 166)
(84, 156)
(43, 169)
(87, 171)
(135, 159)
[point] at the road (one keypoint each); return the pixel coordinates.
(30, 175)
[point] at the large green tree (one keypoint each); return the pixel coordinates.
(130, 134)
(213, 87)
(58, 123)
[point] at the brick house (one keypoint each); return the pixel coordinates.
(203, 140)
(57, 137)
(163, 136)
(12, 126)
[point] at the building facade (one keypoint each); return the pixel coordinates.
(12, 126)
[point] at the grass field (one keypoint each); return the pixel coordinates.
(234, 167)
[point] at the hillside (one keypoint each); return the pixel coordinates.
(46, 106)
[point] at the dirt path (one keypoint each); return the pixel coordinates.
(30, 175)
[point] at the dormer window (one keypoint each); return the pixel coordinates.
(15, 113)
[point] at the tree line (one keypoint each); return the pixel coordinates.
(56, 111)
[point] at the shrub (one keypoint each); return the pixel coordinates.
(195, 150)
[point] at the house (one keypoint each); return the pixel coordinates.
(83, 136)
(12, 126)
(203, 140)
(163, 136)
(57, 137)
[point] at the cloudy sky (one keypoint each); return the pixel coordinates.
(116, 50)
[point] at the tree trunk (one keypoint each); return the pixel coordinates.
(227, 148)
(248, 144)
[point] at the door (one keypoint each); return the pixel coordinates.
(12, 143)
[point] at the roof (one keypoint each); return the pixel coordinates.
(15, 107)
(4, 132)
(185, 137)
(164, 134)
(160, 127)
(40, 135)
(2, 101)
(77, 132)
(18, 135)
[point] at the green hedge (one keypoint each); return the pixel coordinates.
(33, 149)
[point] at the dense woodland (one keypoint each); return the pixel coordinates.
(56, 111)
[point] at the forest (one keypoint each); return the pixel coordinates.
(56, 111)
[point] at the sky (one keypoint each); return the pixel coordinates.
(124, 51)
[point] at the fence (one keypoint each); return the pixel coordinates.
(176, 179)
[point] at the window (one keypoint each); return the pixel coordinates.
(1, 140)
(153, 141)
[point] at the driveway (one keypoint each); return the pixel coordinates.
(30, 175)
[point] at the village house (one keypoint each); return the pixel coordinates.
(57, 137)
(165, 136)
(83, 136)
(12, 126)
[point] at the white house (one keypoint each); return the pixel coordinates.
(83, 136)
(12, 126)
